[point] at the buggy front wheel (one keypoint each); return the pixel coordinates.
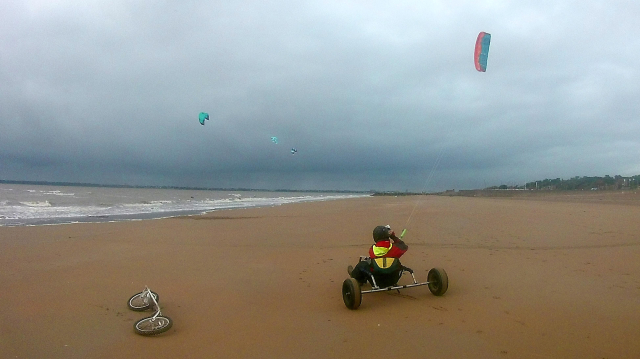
(438, 281)
(351, 293)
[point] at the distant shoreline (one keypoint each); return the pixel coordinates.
(82, 184)
(487, 192)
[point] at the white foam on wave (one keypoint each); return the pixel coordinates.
(46, 211)
(37, 204)
(57, 193)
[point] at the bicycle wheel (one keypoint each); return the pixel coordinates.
(153, 326)
(140, 303)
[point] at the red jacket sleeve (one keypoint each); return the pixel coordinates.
(395, 252)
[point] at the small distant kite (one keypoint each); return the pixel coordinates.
(274, 140)
(203, 116)
(293, 151)
(482, 51)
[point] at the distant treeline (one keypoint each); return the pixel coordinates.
(607, 182)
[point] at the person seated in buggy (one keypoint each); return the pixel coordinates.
(383, 261)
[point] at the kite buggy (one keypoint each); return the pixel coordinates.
(352, 292)
(382, 269)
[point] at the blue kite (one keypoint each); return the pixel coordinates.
(203, 116)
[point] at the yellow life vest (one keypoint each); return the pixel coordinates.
(380, 251)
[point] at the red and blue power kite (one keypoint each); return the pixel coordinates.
(482, 51)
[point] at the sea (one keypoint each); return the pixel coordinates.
(38, 204)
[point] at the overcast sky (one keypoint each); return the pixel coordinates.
(377, 95)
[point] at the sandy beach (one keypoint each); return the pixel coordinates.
(529, 277)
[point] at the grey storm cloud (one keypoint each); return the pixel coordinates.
(374, 95)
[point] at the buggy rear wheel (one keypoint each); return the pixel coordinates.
(438, 281)
(351, 293)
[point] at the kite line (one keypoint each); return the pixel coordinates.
(429, 176)
(480, 60)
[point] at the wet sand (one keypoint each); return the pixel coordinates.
(529, 277)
